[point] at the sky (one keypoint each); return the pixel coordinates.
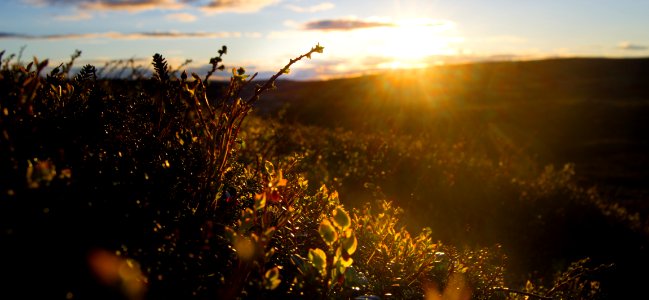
(359, 36)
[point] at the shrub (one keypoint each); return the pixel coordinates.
(133, 189)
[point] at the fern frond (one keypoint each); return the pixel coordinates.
(161, 68)
(88, 72)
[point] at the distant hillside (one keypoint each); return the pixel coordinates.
(589, 111)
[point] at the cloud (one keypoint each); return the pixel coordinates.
(9, 35)
(181, 17)
(127, 36)
(310, 9)
(254, 35)
(114, 5)
(132, 5)
(136, 6)
(631, 47)
(344, 24)
(236, 6)
(82, 15)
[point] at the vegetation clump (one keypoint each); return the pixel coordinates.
(154, 188)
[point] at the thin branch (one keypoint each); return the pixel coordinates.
(271, 81)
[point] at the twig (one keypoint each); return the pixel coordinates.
(284, 70)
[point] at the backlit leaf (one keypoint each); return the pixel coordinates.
(350, 244)
(319, 259)
(341, 218)
(271, 279)
(327, 232)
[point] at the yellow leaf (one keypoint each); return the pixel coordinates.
(327, 232)
(319, 260)
(342, 261)
(271, 279)
(341, 218)
(270, 169)
(260, 201)
(350, 244)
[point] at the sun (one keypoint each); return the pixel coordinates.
(411, 43)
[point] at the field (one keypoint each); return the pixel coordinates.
(461, 143)
(499, 180)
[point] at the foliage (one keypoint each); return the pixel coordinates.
(155, 187)
(500, 204)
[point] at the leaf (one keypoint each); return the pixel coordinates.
(303, 183)
(350, 244)
(271, 279)
(342, 261)
(319, 260)
(247, 219)
(281, 181)
(318, 48)
(260, 201)
(270, 169)
(341, 218)
(327, 232)
(345, 262)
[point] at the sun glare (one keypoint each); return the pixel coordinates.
(411, 43)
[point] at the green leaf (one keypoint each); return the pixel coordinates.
(341, 218)
(327, 232)
(319, 260)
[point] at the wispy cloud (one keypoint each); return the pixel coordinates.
(79, 16)
(114, 5)
(10, 35)
(310, 9)
(131, 6)
(127, 36)
(136, 6)
(344, 24)
(181, 17)
(236, 6)
(631, 46)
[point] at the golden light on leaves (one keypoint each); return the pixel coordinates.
(260, 201)
(341, 218)
(271, 279)
(319, 259)
(350, 244)
(344, 262)
(327, 231)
